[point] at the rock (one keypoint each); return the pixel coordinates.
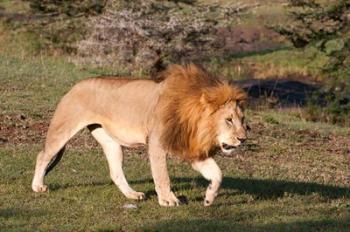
(130, 206)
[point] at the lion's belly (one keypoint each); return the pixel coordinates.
(129, 138)
(126, 135)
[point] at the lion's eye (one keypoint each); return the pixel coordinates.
(229, 121)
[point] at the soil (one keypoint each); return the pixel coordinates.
(17, 129)
(239, 39)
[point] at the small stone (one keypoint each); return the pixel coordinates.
(130, 206)
(3, 140)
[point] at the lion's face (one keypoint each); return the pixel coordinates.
(231, 128)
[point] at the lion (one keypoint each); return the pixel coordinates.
(188, 114)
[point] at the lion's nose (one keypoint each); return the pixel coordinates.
(227, 147)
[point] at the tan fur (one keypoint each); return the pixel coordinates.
(182, 115)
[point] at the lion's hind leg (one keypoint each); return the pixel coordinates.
(42, 163)
(49, 157)
(60, 131)
(114, 155)
(210, 171)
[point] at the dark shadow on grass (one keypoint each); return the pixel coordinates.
(234, 225)
(271, 189)
(20, 213)
(13, 214)
(58, 186)
(280, 92)
(260, 52)
(263, 189)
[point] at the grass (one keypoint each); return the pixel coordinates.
(279, 185)
(293, 175)
(262, 12)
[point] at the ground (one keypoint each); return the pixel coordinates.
(292, 175)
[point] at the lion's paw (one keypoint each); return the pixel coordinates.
(209, 197)
(208, 202)
(169, 200)
(40, 189)
(135, 195)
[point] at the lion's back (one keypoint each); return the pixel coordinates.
(119, 100)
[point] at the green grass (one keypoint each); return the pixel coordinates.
(306, 61)
(279, 186)
(16, 6)
(292, 175)
(40, 80)
(277, 63)
(259, 13)
(286, 179)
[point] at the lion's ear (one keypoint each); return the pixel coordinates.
(208, 100)
(209, 97)
(241, 103)
(240, 97)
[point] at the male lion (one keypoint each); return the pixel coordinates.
(187, 114)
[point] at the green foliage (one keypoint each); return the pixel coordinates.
(57, 24)
(334, 108)
(333, 46)
(325, 26)
(70, 8)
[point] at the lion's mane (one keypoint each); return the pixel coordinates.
(188, 104)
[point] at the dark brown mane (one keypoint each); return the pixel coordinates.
(191, 96)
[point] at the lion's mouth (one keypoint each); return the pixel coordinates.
(228, 149)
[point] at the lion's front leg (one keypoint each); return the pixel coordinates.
(210, 171)
(160, 175)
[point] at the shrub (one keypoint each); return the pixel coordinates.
(60, 23)
(326, 27)
(144, 34)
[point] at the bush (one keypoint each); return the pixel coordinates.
(326, 27)
(60, 23)
(69, 8)
(135, 35)
(144, 34)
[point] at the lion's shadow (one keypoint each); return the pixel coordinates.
(260, 188)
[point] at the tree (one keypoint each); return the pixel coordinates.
(325, 26)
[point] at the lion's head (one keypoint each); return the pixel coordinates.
(231, 128)
(199, 113)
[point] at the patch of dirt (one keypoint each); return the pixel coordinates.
(339, 146)
(263, 134)
(17, 129)
(238, 40)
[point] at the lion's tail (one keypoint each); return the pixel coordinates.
(55, 160)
